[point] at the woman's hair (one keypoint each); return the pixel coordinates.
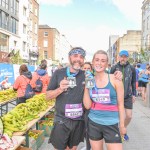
(100, 52)
(23, 68)
(88, 63)
(43, 66)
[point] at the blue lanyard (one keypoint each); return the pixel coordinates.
(68, 73)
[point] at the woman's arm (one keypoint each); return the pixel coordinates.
(120, 98)
(86, 99)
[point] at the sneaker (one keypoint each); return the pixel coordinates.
(126, 137)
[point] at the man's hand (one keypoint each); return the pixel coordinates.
(118, 75)
(64, 84)
(133, 99)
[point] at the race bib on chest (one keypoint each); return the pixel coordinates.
(101, 96)
(73, 110)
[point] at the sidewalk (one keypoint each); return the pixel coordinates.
(138, 130)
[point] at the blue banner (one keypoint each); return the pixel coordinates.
(11, 71)
(31, 68)
(7, 70)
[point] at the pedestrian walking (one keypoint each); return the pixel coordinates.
(129, 81)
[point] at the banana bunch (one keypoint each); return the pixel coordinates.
(37, 104)
(51, 102)
(34, 135)
(13, 123)
(8, 94)
(47, 122)
(17, 118)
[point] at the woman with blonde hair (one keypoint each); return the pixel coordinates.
(106, 104)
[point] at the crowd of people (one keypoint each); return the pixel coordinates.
(97, 113)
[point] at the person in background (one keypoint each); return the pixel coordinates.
(21, 83)
(137, 76)
(144, 76)
(139, 88)
(60, 66)
(106, 104)
(87, 67)
(43, 75)
(43, 61)
(129, 81)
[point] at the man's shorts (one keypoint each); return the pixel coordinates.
(110, 133)
(128, 104)
(69, 133)
(144, 84)
(139, 83)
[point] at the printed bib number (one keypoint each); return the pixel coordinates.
(73, 110)
(101, 96)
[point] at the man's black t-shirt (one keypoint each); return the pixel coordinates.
(71, 96)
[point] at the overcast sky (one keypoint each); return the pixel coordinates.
(88, 23)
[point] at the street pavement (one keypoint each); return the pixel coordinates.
(138, 130)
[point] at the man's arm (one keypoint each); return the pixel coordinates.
(133, 82)
(113, 69)
(54, 88)
(118, 74)
(52, 94)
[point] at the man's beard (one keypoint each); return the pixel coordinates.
(123, 62)
(76, 66)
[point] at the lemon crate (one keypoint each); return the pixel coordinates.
(35, 143)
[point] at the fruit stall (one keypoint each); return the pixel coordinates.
(6, 97)
(27, 124)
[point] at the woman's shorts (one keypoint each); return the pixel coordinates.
(110, 133)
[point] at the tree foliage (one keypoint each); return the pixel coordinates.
(16, 59)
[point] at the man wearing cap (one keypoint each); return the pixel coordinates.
(67, 86)
(129, 81)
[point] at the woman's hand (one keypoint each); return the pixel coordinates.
(123, 131)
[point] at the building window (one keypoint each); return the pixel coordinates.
(35, 28)
(24, 11)
(3, 42)
(24, 46)
(3, 20)
(24, 28)
(14, 7)
(45, 54)
(45, 34)
(13, 25)
(35, 12)
(30, 24)
(15, 44)
(4, 3)
(45, 44)
(31, 7)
